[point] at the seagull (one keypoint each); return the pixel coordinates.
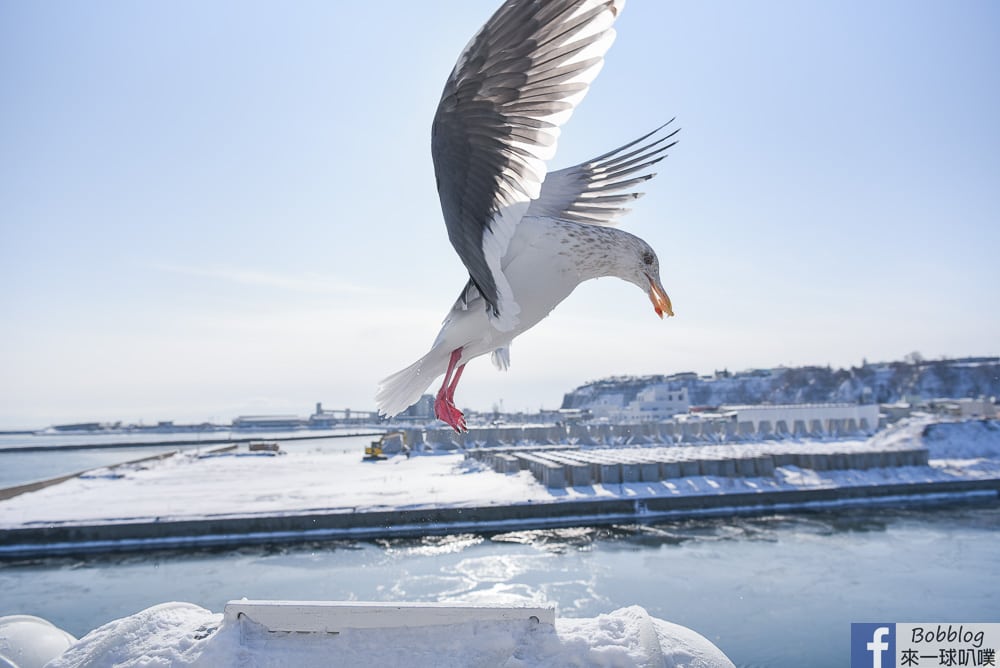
(528, 237)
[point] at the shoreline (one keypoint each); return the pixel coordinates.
(234, 530)
(264, 436)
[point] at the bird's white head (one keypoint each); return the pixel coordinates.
(597, 250)
(645, 273)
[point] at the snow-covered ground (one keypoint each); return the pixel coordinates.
(182, 634)
(186, 486)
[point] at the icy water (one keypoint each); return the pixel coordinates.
(772, 591)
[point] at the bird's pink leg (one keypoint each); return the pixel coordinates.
(444, 404)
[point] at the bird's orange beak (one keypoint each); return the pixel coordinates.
(657, 295)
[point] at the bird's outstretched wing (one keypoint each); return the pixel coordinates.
(514, 85)
(591, 192)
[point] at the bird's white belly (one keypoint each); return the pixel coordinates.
(540, 278)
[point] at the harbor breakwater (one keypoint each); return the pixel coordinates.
(315, 526)
(585, 485)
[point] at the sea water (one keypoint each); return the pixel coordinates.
(780, 590)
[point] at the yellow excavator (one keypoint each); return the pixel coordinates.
(393, 440)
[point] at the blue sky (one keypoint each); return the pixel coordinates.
(216, 208)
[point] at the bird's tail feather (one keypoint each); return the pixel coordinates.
(402, 389)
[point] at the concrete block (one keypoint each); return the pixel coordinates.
(812, 460)
(690, 468)
(554, 475)
(506, 464)
(670, 470)
(786, 459)
(730, 431)
(509, 435)
(712, 431)
(710, 467)
(630, 472)
(579, 475)
(580, 433)
(690, 432)
(649, 472)
(764, 465)
(745, 467)
(610, 474)
(524, 461)
(650, 431)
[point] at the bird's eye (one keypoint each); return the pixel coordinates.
(647, 258)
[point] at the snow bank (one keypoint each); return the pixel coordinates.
(962, 439)
(182, 634)
(971, 439)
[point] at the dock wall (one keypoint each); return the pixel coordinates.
(243, 530)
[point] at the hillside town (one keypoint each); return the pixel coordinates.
(795, 401)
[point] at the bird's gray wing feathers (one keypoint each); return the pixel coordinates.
(592, 192)
(498, 121)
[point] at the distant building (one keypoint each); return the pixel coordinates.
(274, 422)
(329, 418)
(656, 403)
(607, 406)
(653, 403)
(423, 409)
(964, 408)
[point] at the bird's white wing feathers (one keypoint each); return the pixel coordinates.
(592, 192)
(498, 122)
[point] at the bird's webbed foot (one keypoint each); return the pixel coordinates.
(447, 412)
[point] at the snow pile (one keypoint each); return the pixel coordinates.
(961, 439)
(185, 486)
(971, 439)
(182, 634)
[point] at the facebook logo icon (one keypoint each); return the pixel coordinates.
(873, 645)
